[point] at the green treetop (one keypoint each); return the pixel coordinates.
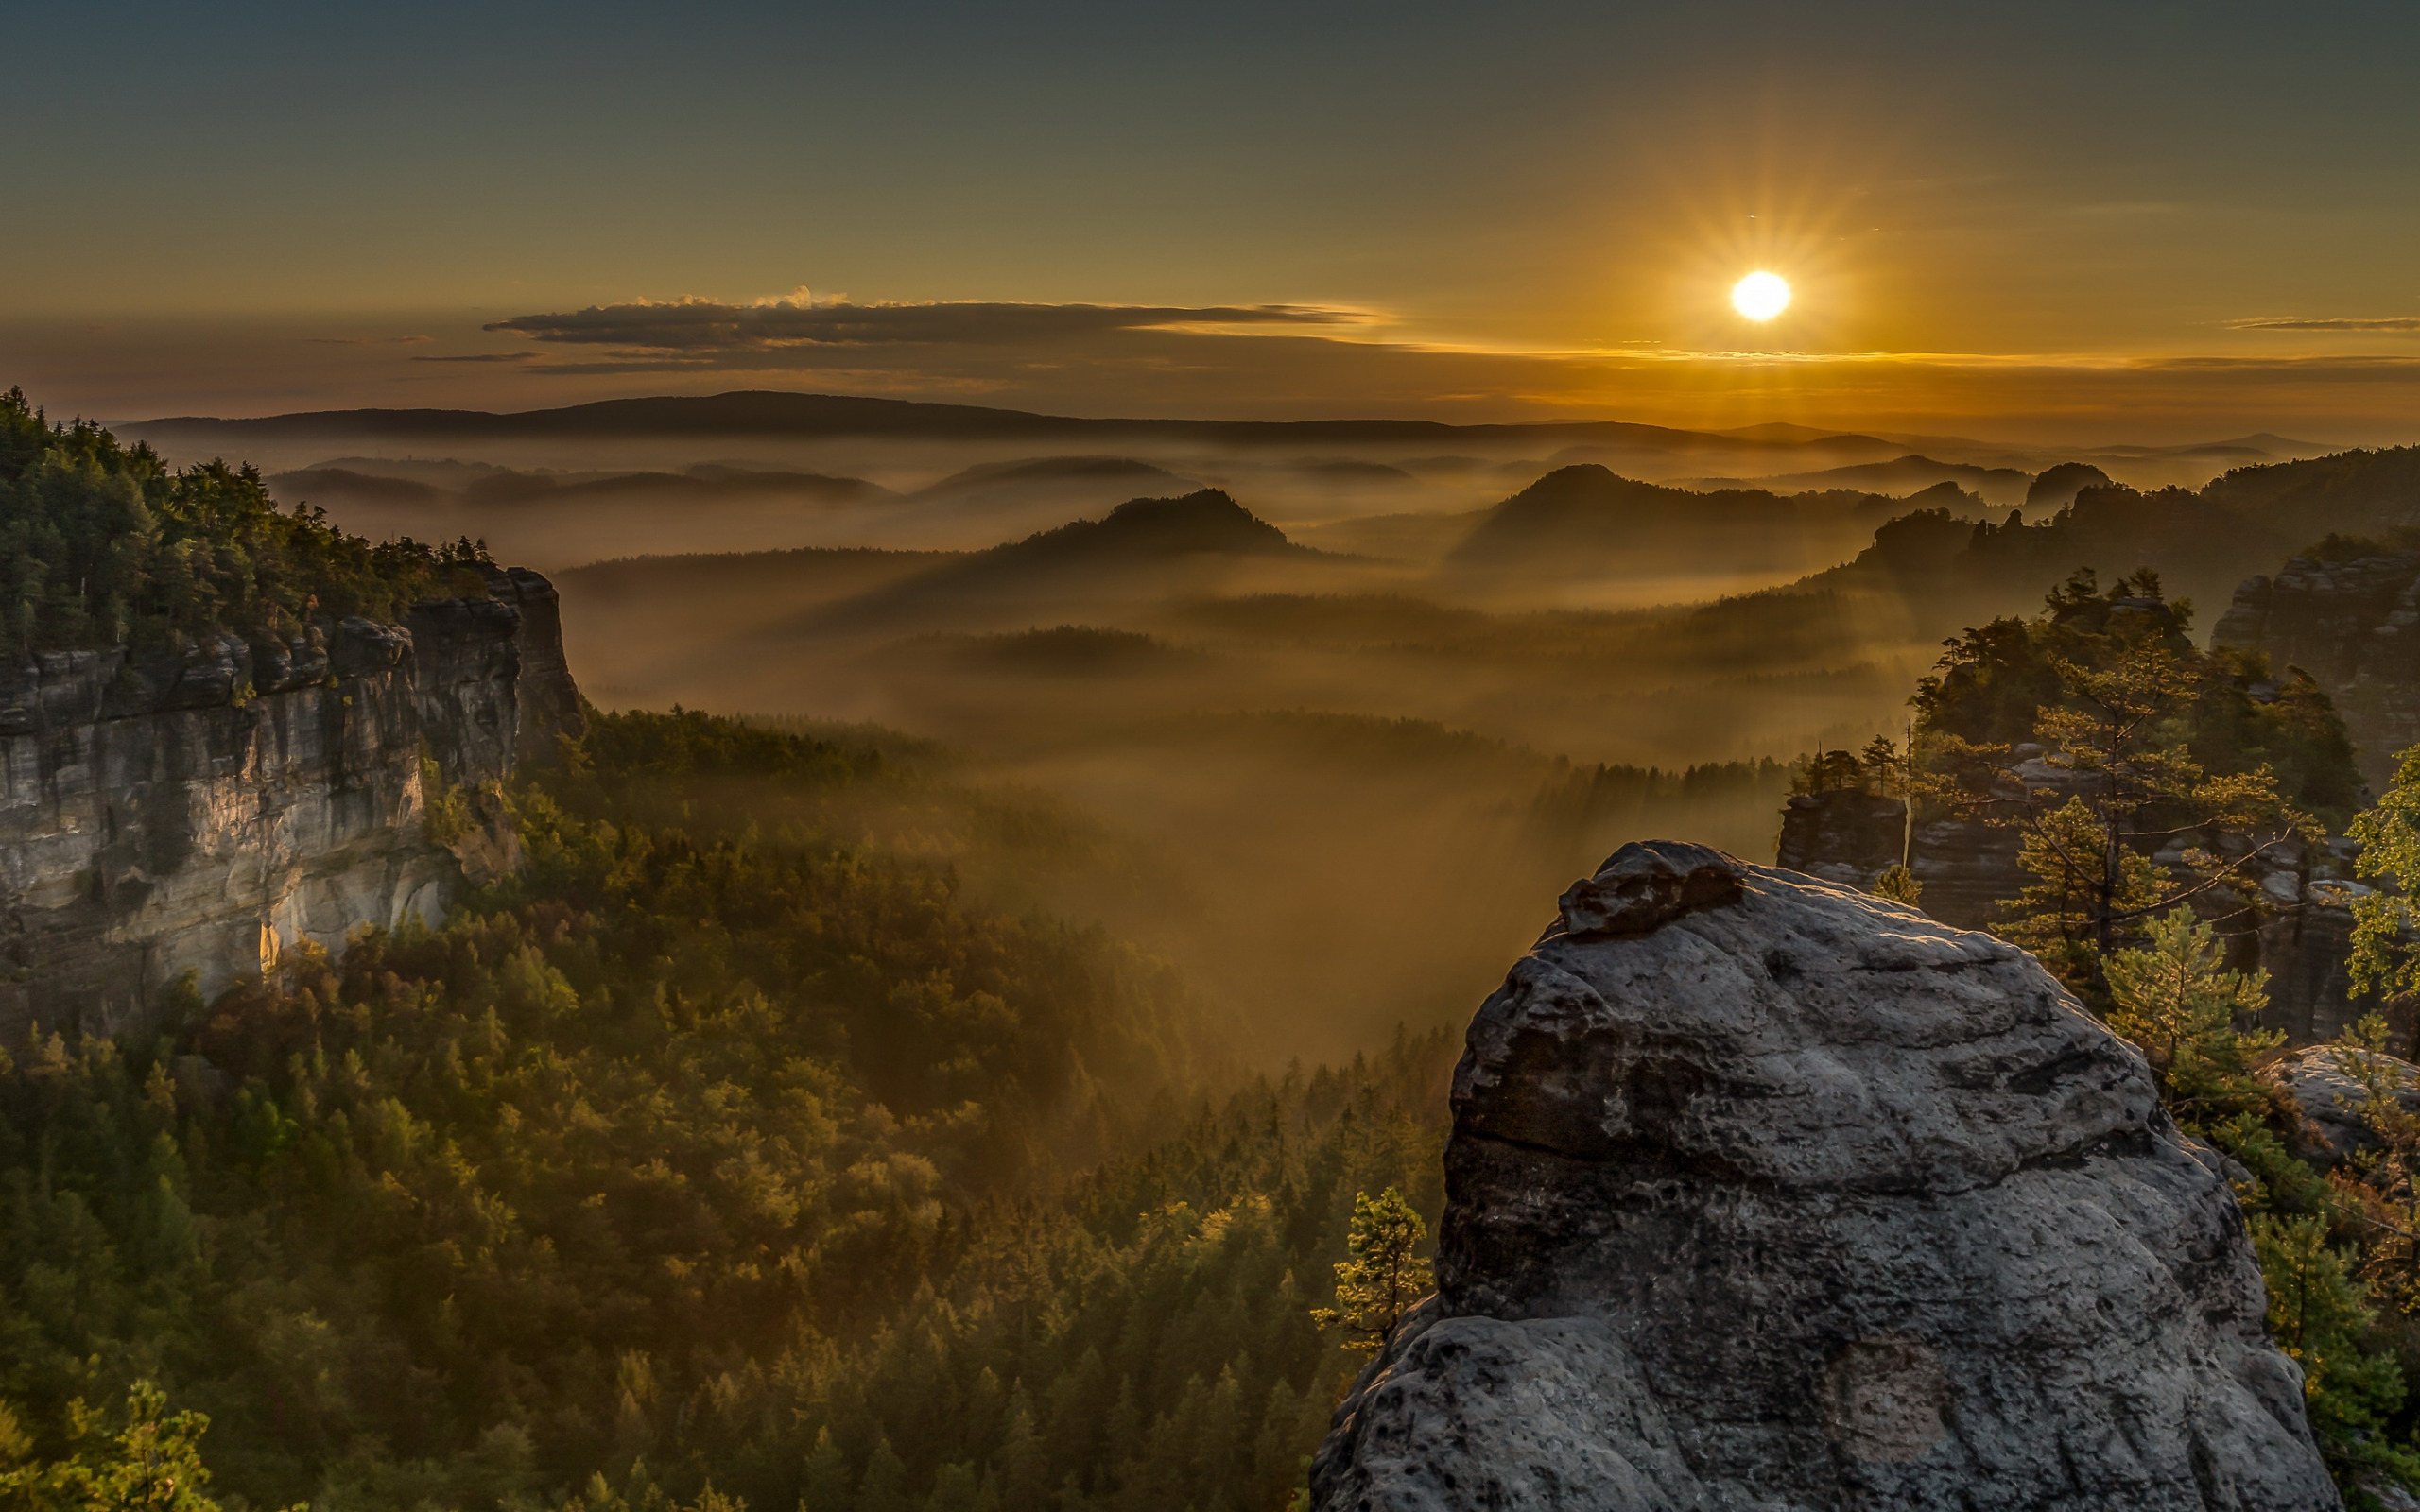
(2144, 790)
(103, 544)
(1383, 1277)
(2384, 955)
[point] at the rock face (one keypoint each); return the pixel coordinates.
(2353, 625)
(201, 812)
(1764, 1194)
(548, 700)
(2305, 942)
(2333, 1097)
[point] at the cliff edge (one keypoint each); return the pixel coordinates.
(1765, 1194)
(203, 809)
(2353, 625)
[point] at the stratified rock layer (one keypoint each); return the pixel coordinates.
(203, 811)
(1763, 1194)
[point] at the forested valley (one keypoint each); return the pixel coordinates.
(818, 1117)
(713, 1157)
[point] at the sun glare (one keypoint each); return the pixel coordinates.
(1760, 296)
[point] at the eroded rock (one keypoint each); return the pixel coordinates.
(2333, 1095)
(203, 806)
(1794, 1199)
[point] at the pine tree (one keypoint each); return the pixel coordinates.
(2178, 1000)
(152, 1464)
(2386, 923)
(2136, 788)
(1898, 885)
(824, 1484)
(1022, 1469)
(2317, 1313)
(1383, 1277)
(884, 1488)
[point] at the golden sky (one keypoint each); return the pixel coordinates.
(2151, 221)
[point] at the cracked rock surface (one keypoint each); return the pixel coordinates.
(1763, 1194)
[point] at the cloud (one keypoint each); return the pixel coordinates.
(369, 341)
(705, 326)
(2287, 322)
(486, 356)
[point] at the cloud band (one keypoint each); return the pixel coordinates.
(705, 325)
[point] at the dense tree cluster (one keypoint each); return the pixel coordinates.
(711, 1158)
(2230, 712)
(103, 544)
(2140, 771)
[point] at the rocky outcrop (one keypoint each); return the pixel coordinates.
(200, 811)
(2332, 1090)
(2355, 626)
(1763, 1194)
(548, 702)
(2302, 936)
(2055, 488)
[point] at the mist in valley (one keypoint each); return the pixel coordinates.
(1322, 733)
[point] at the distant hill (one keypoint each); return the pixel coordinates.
(2056, 487)
(322, 484)
(1148, 530)
(1586, 519)
(497, 485)
(2364, 492)
(694, 486)
(766, 413)
(1144, 544)
(1957, 571)
(1347, 473)
(1003, 501)
(1899, 476)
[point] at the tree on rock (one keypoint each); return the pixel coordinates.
(1383, 1277)
(2127, 803)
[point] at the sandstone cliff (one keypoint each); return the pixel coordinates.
(1967, 866)
(2355, 626)
(1766, 1195)
(200, 811)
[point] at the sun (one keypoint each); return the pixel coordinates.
(1760, 296)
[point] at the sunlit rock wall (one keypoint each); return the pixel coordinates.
(206, 811)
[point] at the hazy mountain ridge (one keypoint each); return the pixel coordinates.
(1586, 520)
(773, 413)
(1900, 476)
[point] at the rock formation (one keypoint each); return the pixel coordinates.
(1766, 1195)
(2355, 626)
(2305, 941)
(202, 810)
(2055, 488)
(2333, 1095)
(547, 700)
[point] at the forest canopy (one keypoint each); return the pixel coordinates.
(1995, 682)
(718, 1156)
(104, 544)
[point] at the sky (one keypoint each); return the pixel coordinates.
(2124, 219)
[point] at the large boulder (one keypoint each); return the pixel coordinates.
(2332, 1092)
(1765, 1194)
